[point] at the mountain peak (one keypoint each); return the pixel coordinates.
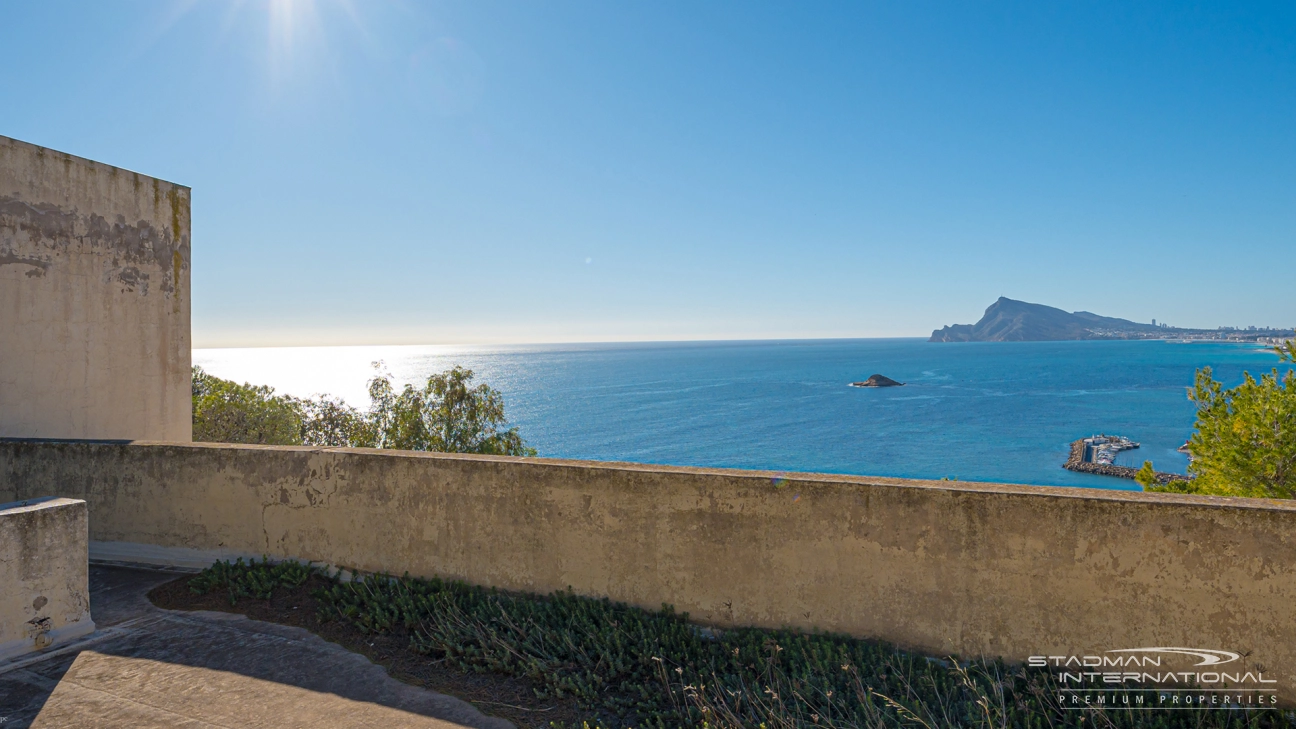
(1010, 320)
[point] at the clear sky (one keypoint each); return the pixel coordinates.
(447, 172)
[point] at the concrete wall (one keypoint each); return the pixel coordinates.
(44, 573)
(972, 569)
(94, 299)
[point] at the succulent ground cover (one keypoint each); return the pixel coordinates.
(595, 662)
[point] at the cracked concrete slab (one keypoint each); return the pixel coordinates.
(148, 667)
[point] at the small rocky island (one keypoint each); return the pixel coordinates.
(877, 381)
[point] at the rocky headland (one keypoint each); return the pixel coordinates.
(1008, 320)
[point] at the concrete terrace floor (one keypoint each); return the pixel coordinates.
(148, 667)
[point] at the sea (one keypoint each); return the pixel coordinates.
(998, 411)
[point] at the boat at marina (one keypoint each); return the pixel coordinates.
(1104, 448)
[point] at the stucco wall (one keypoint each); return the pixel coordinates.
(972, 569)
(44, 575)
(94, 299)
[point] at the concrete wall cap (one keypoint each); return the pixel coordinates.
(835, 480)
(42, 502)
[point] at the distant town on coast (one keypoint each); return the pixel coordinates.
(1008, 320)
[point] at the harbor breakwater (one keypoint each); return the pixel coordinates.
(1078, 462)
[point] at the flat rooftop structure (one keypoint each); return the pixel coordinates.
(94, 287)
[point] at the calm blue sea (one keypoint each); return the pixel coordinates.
(1001, 412)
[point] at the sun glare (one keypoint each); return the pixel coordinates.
(286, 20)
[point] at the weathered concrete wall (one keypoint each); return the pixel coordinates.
(44, 574)
(972, 569)
(94, 299)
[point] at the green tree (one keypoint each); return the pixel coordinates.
(1146, 477)
(1245, 438)
(330, 421)
(227, 412)
(447, 414)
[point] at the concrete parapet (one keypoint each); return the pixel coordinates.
(44, 574)
(939, 567)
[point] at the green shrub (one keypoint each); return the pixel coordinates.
(630, 667)
(253, 579)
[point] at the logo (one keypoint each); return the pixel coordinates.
(1159, 677)
(1208, 657)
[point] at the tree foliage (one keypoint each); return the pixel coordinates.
(1245, 438)
(448, 414)
(330, 421)
(1146, 477)
(227, 412)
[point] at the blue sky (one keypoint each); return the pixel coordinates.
(403, 172)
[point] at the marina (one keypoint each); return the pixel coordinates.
(1104, 448)
(1097, 454)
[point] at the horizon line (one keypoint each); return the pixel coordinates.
(557, 342)
(474, 345)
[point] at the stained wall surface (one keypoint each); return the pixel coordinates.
(94, 300)
(945, 568)
(44, 575)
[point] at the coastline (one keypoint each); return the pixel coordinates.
(1076, 462)
(784, 405)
